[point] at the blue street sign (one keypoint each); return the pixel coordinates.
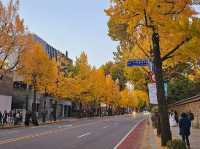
(135, 63)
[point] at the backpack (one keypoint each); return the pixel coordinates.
(191, 116)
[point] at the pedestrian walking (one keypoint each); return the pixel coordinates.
(27, 118)
(1, 117)
(172, 120)
(34, 119)
(14, 117)
(5, 117)
(157, 123)
(184, 128)
(17, 118)
(10, 118)
(176, 116)
(20, 116)
(153, 120)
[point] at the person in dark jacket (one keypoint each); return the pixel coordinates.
(1, 116)
(176, 116)
(184, 127)
(5, 116)
(157, 123)
(27, 118)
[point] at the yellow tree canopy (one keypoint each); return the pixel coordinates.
(97, 79)
(12, 37)
(66, 87)
(82, 77)
(125, 99)
(132, 23)
(37, 69)
(111, 91)
(48, 79)
(140, 97)
(133, 99)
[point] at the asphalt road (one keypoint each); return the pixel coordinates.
(96, 133)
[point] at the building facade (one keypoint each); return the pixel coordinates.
(6, 91)
(52, 52)
(23, 94)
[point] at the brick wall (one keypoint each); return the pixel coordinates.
(190, 104)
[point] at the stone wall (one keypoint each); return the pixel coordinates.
(191, 104)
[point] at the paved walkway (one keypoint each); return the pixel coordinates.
(150, 139)
(10, 126)
(145, 137)
(194, 138)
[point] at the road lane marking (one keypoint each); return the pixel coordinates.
(105, 127)
(10, 132)
(64, 126)
(11, 140)
(58, 130)
(85, 134)
(124, 138)
(13, 132)
(33, 127)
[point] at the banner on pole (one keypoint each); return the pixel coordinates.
(152, 93)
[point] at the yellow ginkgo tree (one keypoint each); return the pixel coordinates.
(12, 37)
(163, 31)
(82, 95)
(38, 70)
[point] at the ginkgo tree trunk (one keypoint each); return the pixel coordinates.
(162, 103)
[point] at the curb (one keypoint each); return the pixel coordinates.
(59, 121)
(40, 124)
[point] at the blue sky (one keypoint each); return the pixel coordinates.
(73, 25)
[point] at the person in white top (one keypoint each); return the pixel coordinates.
(172, 120)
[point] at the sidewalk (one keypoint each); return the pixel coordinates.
(40, 123)
(70, 119)
(194, 137)
(150, 139)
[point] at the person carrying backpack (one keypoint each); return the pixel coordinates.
(190, 116)
(184, 128)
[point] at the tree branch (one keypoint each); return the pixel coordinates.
(169, 54)
(172, 12)
(142, 49)
(146, 21)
